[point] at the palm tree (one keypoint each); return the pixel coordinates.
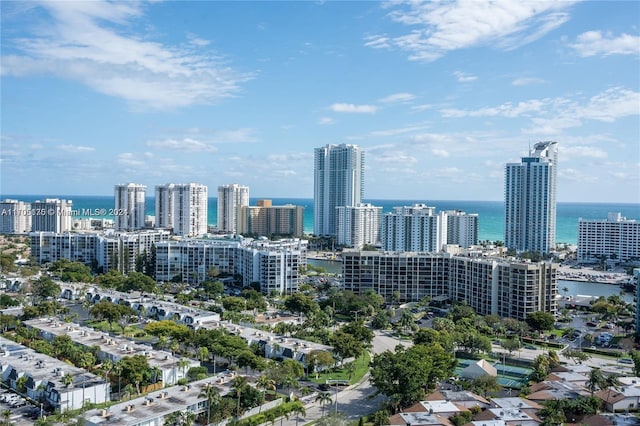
(67, 380)
(6, 414)
(117, 368)
(596, 380)
(186, 418)
(213, 398)
(324, 398)
(239, 384)
(128, 391)
(612, 382)
(203, 354)
(298, 410)
(265, 383)
(182, 364)
(406, 319)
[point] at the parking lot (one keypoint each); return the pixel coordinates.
(22, 411)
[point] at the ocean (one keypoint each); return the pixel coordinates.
(490, 213)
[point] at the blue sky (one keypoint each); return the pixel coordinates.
(439, 95)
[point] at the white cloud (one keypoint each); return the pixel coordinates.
(325, 121)
(128, 159)
(397, 97)
(594, 43)
(568, 152)
(352, 108)
(505, 110)
(186, 144)
(526, 81)
(439, 152)
(75, 148)
(423, 107)
(576, 175)
(91, 42)
(440, 27)
(464, 77)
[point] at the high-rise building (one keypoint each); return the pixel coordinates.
(462, 228)
(530, 200)
(338, 182)
(230, 200)
(413, 228)
(52, 215)
(616, 238)
(264, 219)
(15, 217)
(183, 208)
(130, 206)
(510, 289)
(358, 225)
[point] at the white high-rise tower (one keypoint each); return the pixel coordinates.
(130, 205)
(338, 182)
(530, 200)
(230, 200)
(182, 208)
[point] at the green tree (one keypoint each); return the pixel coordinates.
(323, 398)
(44, 288)
(300, 303)
(485, 384)
(404, 374)
(596, 380)
(319, 359)
(345, 345)
(213, 399)
(540, 321)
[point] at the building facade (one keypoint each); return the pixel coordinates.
(338, 182)
(462, 228)
(183, 208)
(616, 238)
(490, 286)
(530, 200)
(413, 228)
(231, 199)
(264, 219)
(275, 265)
(130, 206)
(104, 251)
(45, 378)
(15, 217)
(358, 225)
(51, 215)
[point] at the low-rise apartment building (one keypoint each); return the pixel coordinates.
(44, 378)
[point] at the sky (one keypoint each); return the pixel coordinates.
(440, 95)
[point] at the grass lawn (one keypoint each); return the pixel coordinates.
(341, 373)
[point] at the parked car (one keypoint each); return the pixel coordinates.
(626, 361)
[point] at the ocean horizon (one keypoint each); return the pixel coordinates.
(490, 213)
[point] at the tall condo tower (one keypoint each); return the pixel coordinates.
(182, 208)
(530, 200)
(51, 214)
(130, 205)
(338, 182)
(230, 200)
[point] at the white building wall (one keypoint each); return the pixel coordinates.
(338, 182)
(616, 237)
(130, 206)
(15, 217)
(51, 214)
(530, 200)
(230, 200)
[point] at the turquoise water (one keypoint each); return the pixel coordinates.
(491, 213)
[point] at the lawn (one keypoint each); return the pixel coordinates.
(342, 373)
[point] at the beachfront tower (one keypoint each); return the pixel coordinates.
(231, 198)
(130, 205)
(338, 182)
(530, 200)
